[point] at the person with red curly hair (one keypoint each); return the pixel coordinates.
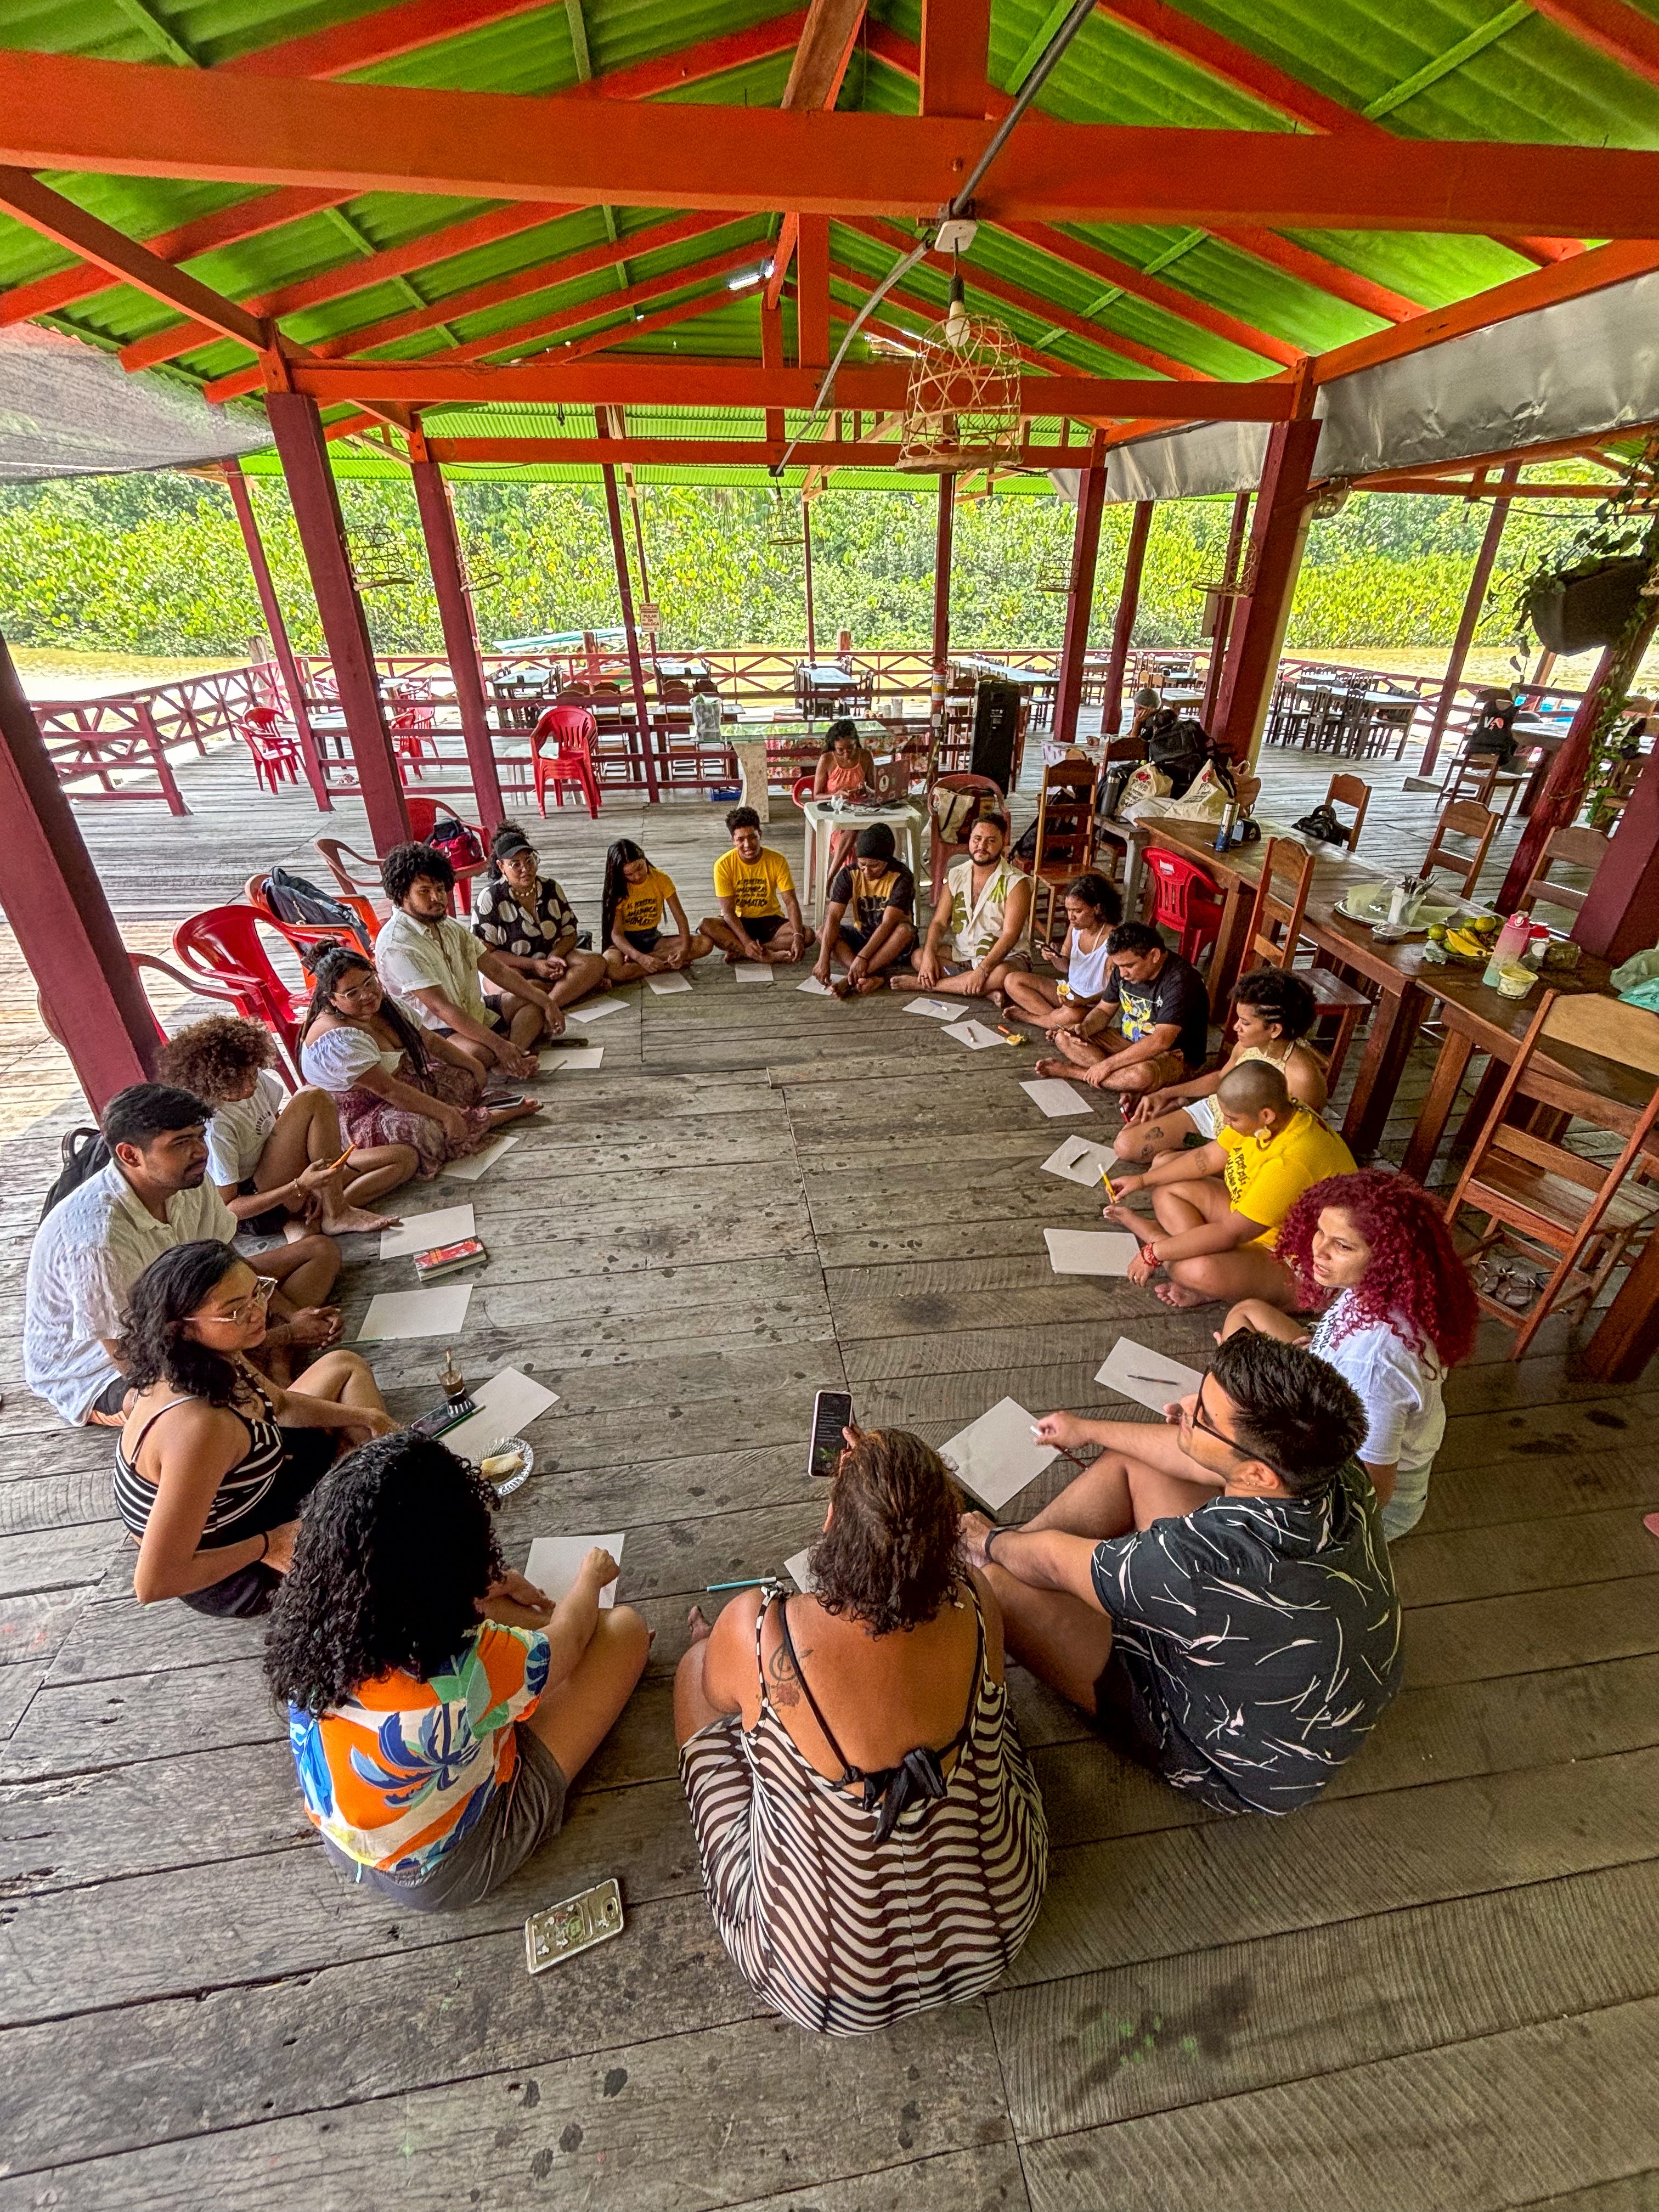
(1370, 1256)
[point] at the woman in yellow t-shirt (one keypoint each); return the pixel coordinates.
(636, 895)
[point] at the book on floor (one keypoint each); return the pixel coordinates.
(447, 1258)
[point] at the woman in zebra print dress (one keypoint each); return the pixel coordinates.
(871, 1837)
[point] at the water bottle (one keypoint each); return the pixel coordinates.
(1224, 836)
(1511, 942)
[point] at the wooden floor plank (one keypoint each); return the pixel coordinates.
(1491, 2123)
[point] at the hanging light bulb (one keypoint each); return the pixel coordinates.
(956, 317)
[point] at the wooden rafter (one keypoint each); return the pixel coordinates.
(1078, 254)
(62, 112)
(955, 39)
(823, 56)
(1624, 34)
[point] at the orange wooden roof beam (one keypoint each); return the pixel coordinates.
(60, 111)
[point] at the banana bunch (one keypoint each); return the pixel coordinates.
(1470, 940)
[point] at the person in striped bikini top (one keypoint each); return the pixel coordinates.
(871, 1837)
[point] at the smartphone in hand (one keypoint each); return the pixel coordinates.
(832, 1411)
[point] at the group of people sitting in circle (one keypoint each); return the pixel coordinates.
(1212, 1592)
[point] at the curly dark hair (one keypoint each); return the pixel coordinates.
(1416, 1285)
(404, 864)
(211, 1057)
(1295, 1412)
(332, 968)
(397, 1545)
(1279, 997)
(1098, 893)
(1134, 937)
(888, 1557)
(617, 861)
(742, 818)
(153, 1346)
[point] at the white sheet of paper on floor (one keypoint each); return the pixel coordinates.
(816, 990)
(752, 971)
(1057, 1099)
(1091, 1251)
(974, 1034)
(597, 1009)
(942, 1010)
(555, 1561)
(506, 1405)
(1080, 1161)
(664, 986)
(419, 1232)
(394, 1315)
(479, 1163)
(1148, 1377)
(996, 1456)
(582, 1059)
(800, 1573)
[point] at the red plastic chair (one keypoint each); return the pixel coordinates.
(350, 888)
(223, 947)
(276, 755)
(411, 727)
(422, 813)
(1184, 899)
(305, 937)
(572, 730)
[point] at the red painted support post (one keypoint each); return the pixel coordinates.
(1123, 626)
(460, 639)
(1467, 620)
(1223, 609)
(304, 455)
(806, 547)
(270, 607)
(1079, 601)
(57, 911)
(625, 592)
(1621, 914)
(947, 493)
(1278, 534)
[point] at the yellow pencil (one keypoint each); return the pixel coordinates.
(1107, 1180)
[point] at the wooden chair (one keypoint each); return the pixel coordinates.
(1350, 790)
(1064, 836)
(941, 854)
(1579, 848)
(1579, 1217)
(1463, 817)
(1271, 934)
(1483, 776)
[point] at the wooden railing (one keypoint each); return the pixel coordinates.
(120, 746)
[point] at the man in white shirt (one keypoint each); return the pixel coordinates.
(93, 1245)
(434, 965)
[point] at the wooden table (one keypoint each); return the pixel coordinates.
(1392, 970)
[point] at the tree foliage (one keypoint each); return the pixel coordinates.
(154, 564)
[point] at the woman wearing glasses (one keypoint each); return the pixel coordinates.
(215, 1458)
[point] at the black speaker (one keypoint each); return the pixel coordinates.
(996, 725)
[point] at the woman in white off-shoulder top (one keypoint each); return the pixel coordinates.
(392, 1084)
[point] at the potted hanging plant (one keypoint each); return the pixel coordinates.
(1587, 592)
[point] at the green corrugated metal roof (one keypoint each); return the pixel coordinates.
(1447, 68)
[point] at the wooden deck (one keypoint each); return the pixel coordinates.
(1436, 1988)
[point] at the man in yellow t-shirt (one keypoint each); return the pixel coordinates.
(760, 916)
(1219, 1208)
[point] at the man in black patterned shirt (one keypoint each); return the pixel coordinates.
(525, 918)
(1215, 1592)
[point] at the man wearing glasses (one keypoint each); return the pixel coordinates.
(1216, 1593)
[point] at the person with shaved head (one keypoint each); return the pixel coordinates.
(1219, 1208)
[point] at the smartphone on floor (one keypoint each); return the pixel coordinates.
(832, 1411)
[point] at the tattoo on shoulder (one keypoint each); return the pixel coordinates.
(784, 1680)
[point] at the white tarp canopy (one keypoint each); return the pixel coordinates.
(1585, 368)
